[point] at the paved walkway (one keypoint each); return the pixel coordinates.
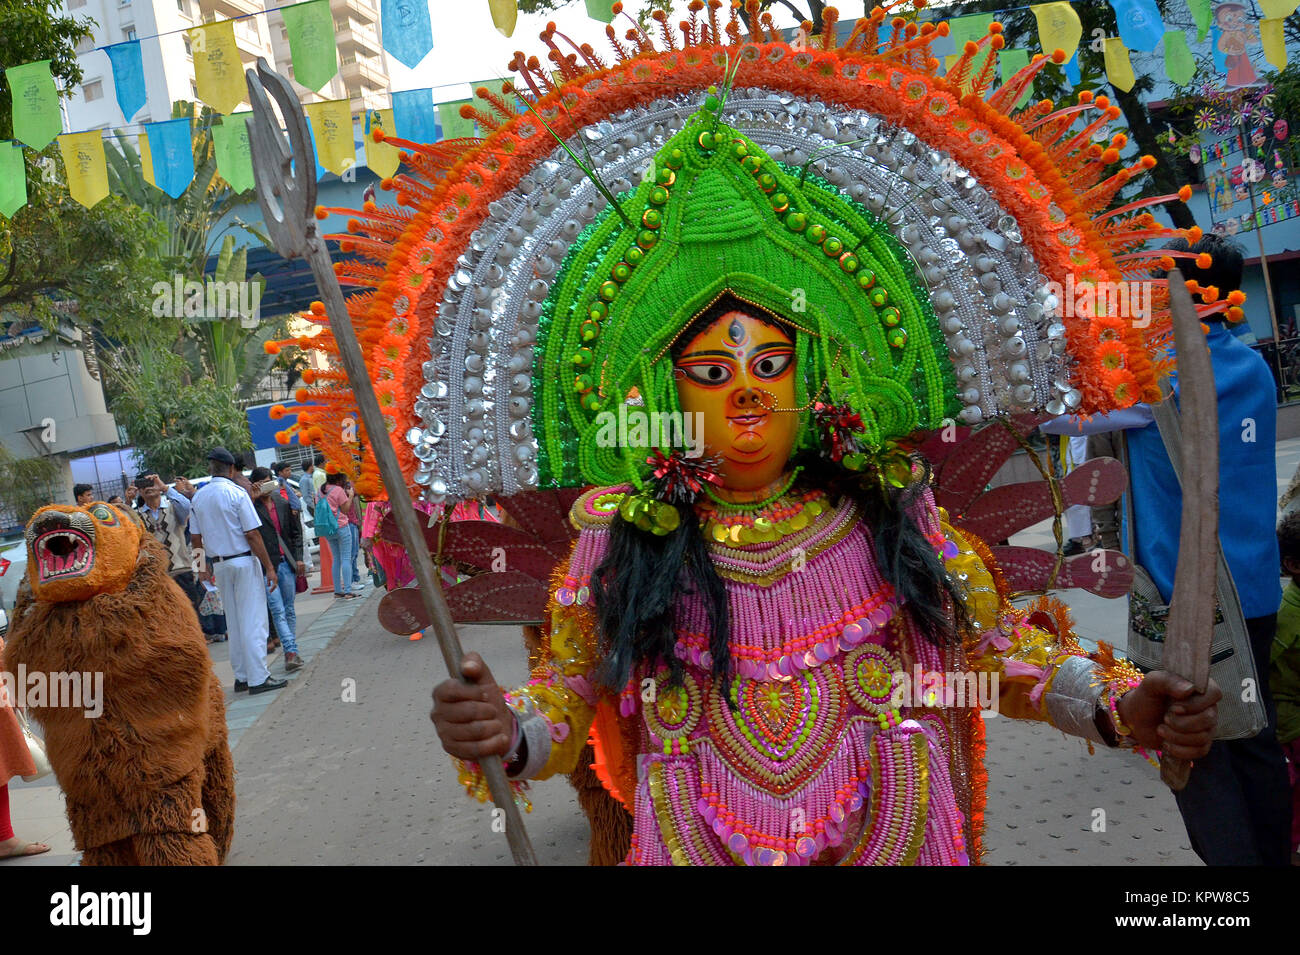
(343, 767)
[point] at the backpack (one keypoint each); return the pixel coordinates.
(327, 525)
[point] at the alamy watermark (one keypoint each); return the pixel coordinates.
(64, 690)
(637, 428)
(1129, 300)
(208, 300)
(927, 689)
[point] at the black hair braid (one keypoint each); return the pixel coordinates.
(636, 590)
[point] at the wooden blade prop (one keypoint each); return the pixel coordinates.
(286, 191)
(1191, 608)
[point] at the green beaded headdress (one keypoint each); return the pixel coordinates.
(717, 215)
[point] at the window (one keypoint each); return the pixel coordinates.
(130, 33)
(347, 58)
(194, 90)
(93, 90)
(186, 41)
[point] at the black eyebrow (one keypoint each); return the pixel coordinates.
(715, 353)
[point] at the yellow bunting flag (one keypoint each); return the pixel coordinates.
(1059, 27)
(1119, 68)
(504, 14)
(83, 162)
(218, 71)
(1271, 36)
(146, 159)
(381, 158)
(1278, 9)
(331, 124)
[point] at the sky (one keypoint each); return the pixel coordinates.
(468, 49)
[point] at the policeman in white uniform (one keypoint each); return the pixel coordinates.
(224, 530)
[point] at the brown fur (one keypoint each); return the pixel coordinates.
(150, 781)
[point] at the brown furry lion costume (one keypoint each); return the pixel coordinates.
(150, 780)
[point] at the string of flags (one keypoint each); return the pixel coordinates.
(166, 151)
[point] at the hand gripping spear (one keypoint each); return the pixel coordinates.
(1190, 626)
(286, 191)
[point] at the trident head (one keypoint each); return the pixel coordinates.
(286, 190)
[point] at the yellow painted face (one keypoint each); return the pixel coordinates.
(738, 375)
(74, 553)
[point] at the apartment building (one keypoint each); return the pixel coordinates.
(169, 63)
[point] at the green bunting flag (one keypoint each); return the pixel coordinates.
(454, 126)
(1011, 62)
(1180, 65)
(973, 28)
(311, 42)
(1201, 14)
(602, 10)
(35, 104)
(234, 161)
(13, 179)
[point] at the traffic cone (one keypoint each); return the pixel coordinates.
(326, 569)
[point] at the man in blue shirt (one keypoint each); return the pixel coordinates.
(1236, 804)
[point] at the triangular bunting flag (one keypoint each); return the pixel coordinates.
(83, 163)
(146, 158)
(413, 115)
(128, 77)
(454, 125)
(407, 31)
(218, 71)
(1274, 41)
(171, 144)
(331, 125)
(1140, 26)
(1180, 65)
(381, 159)
(36, 115)
(504, 15)
(13, 179)
(1119, 68)
(310, 26)
(1059, 27)
(234, 160)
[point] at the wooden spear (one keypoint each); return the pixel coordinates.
(1190, 627)
(286, 190)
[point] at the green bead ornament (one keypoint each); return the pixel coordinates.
(796, 222)
(589, 331)
(583, 357)
(621, 272)
(816, 233)
(832, 246)
(658, 196)
(891, 317)
(608, 290)
(849, 262)
(879, 297)
(897, 337)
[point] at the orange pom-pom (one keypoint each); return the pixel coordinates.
(943, 29)
(998, 42)
(321, 213)
(302, 395)
(277, 412)
(1203, 261)
(1148, 162)
(1166, 262)
(1236, 297)
(1110, 155)
(318, 308)
(1119, 140)
(282, 437)
(1194, 234)
(1185, 193)
(995, 27)
(271, 348)
(1210, 294)
(1058, 56)
(368, 206)
(308, 377)
(1103, 102)
(617, 8)
(377, 134)
(386, 184)
(1234, 314)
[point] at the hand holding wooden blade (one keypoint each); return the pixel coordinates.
(1190, 626)
(286, 190)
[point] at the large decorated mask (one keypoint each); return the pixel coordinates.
(921, 237)
(74, 553)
